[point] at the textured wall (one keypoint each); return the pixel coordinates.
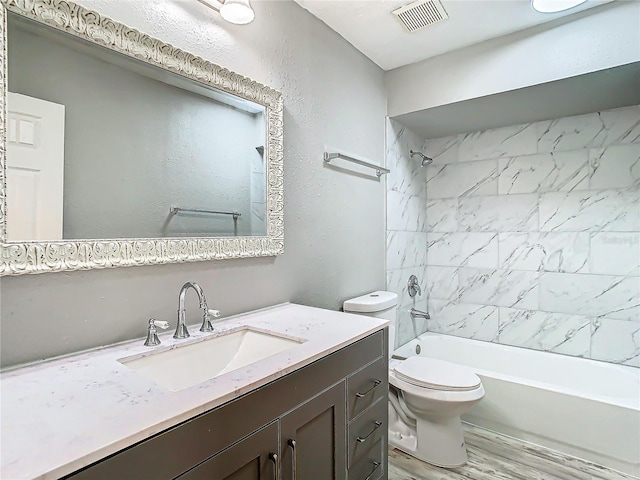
(334, 237)
(406, 227)
(534, 235)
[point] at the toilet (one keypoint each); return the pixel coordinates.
(426, 396)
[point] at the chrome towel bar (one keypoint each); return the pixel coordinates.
(176, 210)
(379, 170)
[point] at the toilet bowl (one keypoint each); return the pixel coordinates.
(426, 396)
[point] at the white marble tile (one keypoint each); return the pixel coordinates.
(258, 186)
(443, 150)
(553, 332)
(463, 249)
(614, 253)
(498, 213)
(409, 328)
(617, 166)
(622, 125)
(442, 283)
(461, 180)
(591, 130)
(603, 210)
(257, 163)
(406, 176)
(405, 332)
(571, 133)
(397, 281)
(549, 172)
(405, 212)
(503, 288)
(422, 324)
(616, 341)
(499, 142)
(550, 251)
(479, 322)
(406, 249)
(442, 215)
(591, 295)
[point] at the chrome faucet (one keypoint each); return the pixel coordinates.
(414, 312)
(181, 328)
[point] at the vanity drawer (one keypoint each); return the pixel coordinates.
(367, 386)
(372, 464)
(367, 429)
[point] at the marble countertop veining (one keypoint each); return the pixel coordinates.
(61, 415)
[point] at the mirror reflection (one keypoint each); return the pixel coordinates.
(101, 146)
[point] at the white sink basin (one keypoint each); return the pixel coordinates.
(190, 364)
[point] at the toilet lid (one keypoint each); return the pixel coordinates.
(436, 374)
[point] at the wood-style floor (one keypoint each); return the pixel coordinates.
(496, 457)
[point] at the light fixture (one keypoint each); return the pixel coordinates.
(553, 6)
(238, 12)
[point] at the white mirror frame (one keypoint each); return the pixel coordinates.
(66, 255)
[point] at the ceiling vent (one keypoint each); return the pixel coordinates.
(421, 14)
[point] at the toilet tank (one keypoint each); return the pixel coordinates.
(378, 304)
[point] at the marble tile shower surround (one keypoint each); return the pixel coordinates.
(533, 234)
(406, 227)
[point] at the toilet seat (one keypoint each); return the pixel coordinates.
(436, 375)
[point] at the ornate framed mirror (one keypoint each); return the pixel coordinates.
(117, 149)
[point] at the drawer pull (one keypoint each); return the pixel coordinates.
(294, 460)
(276, 465)
(364, 394)
(378, 424)
(376, 466)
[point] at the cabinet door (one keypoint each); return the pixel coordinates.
(313, 438)
(254, 458)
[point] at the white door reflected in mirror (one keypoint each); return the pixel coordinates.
(35, 168)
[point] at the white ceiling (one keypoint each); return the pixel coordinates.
(370, 27)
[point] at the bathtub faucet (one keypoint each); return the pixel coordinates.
(419, 313)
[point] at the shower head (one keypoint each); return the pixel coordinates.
(425, 160)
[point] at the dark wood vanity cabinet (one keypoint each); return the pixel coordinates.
(313, 438)
(325, 421)
(252, 458)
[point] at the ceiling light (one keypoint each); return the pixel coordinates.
(553, 6)
(238, 12)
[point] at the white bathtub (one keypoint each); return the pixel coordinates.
(580, 407)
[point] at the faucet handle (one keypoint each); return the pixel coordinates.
(152, 333)
(159, 323)
(206, 319)
(413, 287)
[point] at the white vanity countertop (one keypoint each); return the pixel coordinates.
(61, 415)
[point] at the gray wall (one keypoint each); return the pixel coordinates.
(334, 237)
(135, 146)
